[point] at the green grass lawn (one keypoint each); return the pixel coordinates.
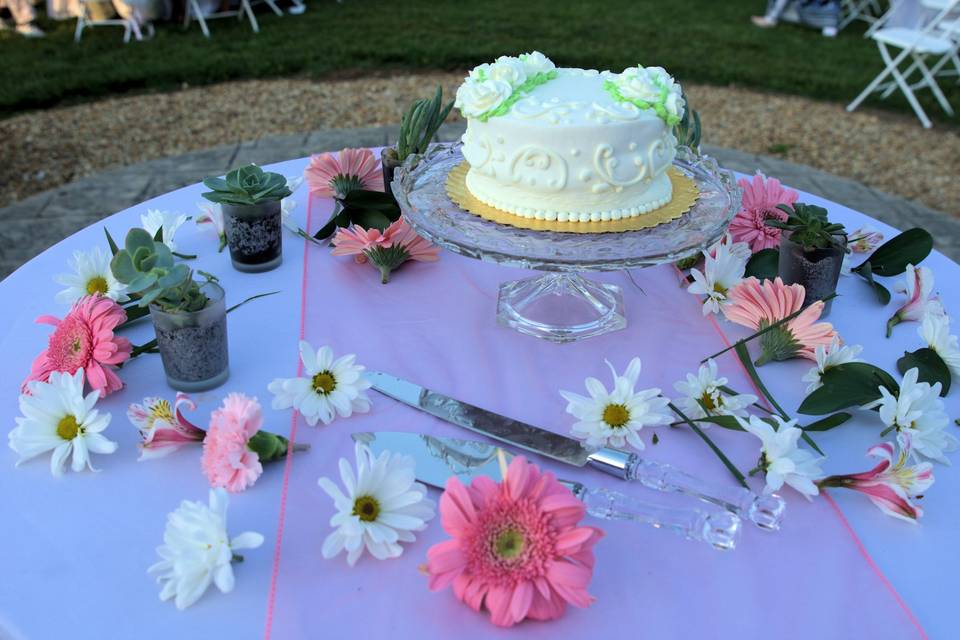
(701, 40)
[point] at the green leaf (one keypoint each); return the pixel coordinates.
(369, 218)
(158, 236)
(727, 422)
(852, 384)
(892, 257)
(363, 199)
(114, 249)
(830, 422)
(744, 355)
(930, 367)
(137, 238)
(866, 272)
(713, 447)
(764, 264)
(251, 298)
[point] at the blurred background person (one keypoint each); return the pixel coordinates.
(822, 14)
(23, 15)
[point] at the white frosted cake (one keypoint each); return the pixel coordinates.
(573, 145)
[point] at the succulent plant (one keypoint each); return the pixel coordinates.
(147, 268)
(245, 186)
(809, 227)
(420, 123)
(687, 131)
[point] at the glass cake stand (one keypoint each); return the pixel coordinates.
(561, 305)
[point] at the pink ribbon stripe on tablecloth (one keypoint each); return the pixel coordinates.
(434, 324)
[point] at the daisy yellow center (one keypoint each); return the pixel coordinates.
(708, 403)
(68, 428)
(97, 285)
(366, 508)
(509, 544)
(616, 415)
(719, 288)
(324, 383)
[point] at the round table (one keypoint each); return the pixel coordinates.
(75, 549)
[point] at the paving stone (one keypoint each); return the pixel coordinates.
(79, 204)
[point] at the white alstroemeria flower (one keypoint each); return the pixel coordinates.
(702, 395)
(828, 357)
(154, 220)
(211, 214)
(535, 62)
(917, 411)
(288, 204)
(476, 98)
(508, 69)
(197, 551)
(780, 458)
(865, 239)
(91, 276)
(724, 266)
(330, 387)
(58, 417)
(615, 418)
(917, 285)
(383, 506)
(935, 331)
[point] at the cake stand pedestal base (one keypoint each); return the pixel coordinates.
(561, 307)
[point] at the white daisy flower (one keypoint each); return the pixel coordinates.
(382, 507)
(197, 551)
(780, 458)
(935, 331)
(57, 417)
(828, 357)
(330, 388)
(615, 418)
(703, 396)
(91, 276)
(154, 220)
(917, 411)
(724, 266)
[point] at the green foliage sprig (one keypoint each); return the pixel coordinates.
(420, 124)
(892, 257)
(148, 269)
(688, 130)
(246, 186)
(809, 227)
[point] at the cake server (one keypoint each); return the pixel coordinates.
(439, 458)
(765, 511)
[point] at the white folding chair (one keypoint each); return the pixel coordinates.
(131, 27)
(915, 46)
(244, 9)
(868, 11)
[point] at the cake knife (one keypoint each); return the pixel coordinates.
(765, 511)
(439, 458)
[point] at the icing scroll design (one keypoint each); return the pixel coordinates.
(536, 166)
(618, 111)
(479, 153)
(553, 112)
(605, 165)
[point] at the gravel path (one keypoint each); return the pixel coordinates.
(44, 149)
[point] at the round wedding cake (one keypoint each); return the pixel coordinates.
(573, 145)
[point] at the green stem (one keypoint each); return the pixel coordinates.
(716, 450)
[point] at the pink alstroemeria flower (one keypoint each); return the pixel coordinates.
(892, 487)
(386, 250)
(917, 285)
(334, 176)
(163, 428)
(760, 199)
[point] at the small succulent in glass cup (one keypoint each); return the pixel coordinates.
(811, 250)
(189, 316)
(417, 129)
(250, 199)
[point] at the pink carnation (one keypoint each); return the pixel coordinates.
(84, 339)
(760, 199)
(228, 461)
(517, 548)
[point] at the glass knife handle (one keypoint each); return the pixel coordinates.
(719, 529)
(765, 511)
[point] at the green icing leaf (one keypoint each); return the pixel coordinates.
(519, 92)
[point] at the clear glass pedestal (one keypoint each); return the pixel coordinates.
(562, 305)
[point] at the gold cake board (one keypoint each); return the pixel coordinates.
(685, 194)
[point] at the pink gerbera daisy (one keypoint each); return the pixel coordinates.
(760, 199)
(84, 339)
(386, 250)
(228, 461)
(329, 176)
(517, 549)
(758, 305)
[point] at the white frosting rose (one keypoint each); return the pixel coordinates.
(637, 84)
(509, 70)
(535, 62)
(476, 98)
(674, 104)
(479, 73)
